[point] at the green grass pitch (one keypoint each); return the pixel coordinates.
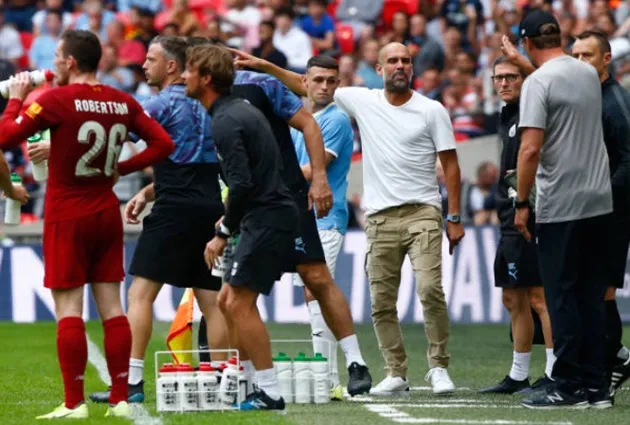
(30, 384)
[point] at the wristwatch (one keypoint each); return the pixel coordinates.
(520, 204)
(222, 231)
(454, 218)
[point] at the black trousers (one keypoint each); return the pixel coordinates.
(573, 267)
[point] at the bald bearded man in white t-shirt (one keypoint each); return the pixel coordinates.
(402, 135)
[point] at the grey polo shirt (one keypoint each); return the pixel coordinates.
(564, 98)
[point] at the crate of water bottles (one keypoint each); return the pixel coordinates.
(303, 379)
(185, 388)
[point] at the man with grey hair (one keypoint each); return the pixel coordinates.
(563, 150)
(187, 205)
(403, 133)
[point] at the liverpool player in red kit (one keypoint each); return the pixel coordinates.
(83, 234)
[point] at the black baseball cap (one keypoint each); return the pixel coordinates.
(531, 23)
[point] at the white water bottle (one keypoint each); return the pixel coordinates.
(38, 77)
(302, 377)
(218, 270)
(208, 386)
(12, 207)
(321, 379)
(168, 397)
(228, 389)
(187, 386)
(40, 169)
(284, 374)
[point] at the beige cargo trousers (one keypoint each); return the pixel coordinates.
(414, 230)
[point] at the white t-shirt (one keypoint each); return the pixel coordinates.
(400, 145)
(249, 18)
(10, 43)
(295, 45)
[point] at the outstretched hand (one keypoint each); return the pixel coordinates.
(245, 60)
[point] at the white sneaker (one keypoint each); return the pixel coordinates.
(440, 381)
(391, 386)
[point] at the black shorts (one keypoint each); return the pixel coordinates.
(259, 257)
(170, 250)
(516, 263)
(307, 245)
(618, 241)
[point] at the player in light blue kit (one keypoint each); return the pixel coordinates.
(321, 81)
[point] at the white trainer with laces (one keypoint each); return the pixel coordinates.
(391, 386)
(440, 381)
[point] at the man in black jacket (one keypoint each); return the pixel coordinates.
(593, 47)
(516, 263)
(259, 206)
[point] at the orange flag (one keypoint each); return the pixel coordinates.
(181, 332)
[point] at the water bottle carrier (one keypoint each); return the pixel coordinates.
(183, 388)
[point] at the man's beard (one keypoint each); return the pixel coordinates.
(397, 86)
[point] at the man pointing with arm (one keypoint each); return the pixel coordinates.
(402, 198)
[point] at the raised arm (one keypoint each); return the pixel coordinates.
(291, 79)
(511, 52)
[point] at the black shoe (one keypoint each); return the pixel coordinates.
(539, 386)
(555, 398)
(620, 374)
(261, 401)
(136, 394)
(506, 386)
(360, 380)
(600, 399)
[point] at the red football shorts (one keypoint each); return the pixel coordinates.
(87, 249)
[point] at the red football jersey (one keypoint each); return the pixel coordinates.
(88, 126)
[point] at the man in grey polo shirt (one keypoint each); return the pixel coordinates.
(562, 146)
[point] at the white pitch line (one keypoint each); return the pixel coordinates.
(140, 415)
(426, 405)
(431, 389)
(463, 400)
(388, 411)
(472, 421)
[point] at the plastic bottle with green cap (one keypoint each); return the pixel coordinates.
(284, 373)
(40, 169)
(13, 207)
(303, 378)
(321, 379)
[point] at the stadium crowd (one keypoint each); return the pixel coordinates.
(454, 43)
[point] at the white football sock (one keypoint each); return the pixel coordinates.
(623, 353)
(520, 366)
(268, 382)
(350, 347)
(324, 341)
(551, 360)
(136, 371)
(250, 374)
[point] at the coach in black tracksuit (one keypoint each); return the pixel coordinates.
(516, 264)
(593, 47)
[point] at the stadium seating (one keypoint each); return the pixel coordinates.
(391, 7)
(332, 9)
(345, 37)
(27, 40)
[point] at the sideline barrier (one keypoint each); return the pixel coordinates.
(467, 279)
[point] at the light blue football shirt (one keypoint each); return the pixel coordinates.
(338, 140)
